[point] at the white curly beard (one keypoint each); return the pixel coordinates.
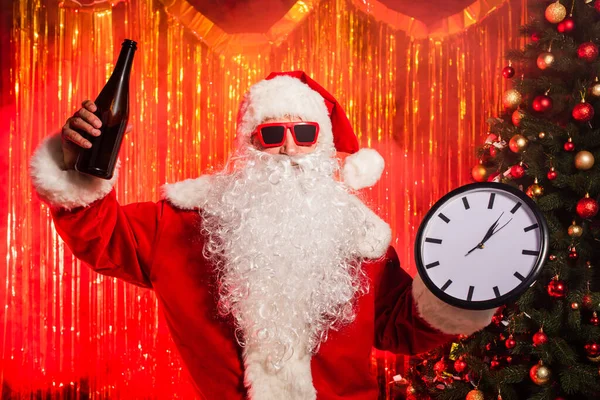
(282, 233)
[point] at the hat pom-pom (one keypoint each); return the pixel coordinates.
(363, 168)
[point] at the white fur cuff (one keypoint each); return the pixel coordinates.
(363, 168)
(64, 188)
(447, 318)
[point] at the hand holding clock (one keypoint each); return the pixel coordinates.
(508, 268)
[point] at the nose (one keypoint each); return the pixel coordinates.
(289, 146)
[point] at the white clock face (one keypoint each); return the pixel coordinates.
(480, 246)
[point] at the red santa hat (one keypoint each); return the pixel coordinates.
(295, 94)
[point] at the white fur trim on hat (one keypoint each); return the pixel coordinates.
(363, 168)
(447, 318)
(60, 187)
(279, 97)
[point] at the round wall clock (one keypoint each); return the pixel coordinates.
(481, 245)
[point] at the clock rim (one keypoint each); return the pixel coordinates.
(512, 295)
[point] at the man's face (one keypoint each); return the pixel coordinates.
(289, 146)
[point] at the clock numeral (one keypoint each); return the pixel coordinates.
(531, 227)
(531, 252)
(466, 203)
(470, 295)
(518, 275)
(433, 264)
(448, 283)
(515, 208)
(444, 218)
(491, 202)
(432, 240)
(496, 291)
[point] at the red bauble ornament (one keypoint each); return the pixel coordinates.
(517, 171)
(583, 112)
(567, 25)
(557, 288)
(493, 151)
(569, 145)
(493, 176)
(587, 301)
(509, 359)
(488, 347)
(460, 365)
(592, 349)
(587, 51)
(494, 364)
(440, 367)
(573, 253)
(542, 103)
(586, 207)
(594, 320)
(552, 257)
(517, 116)
(540, 338)
(552, 174)
(597, 5)
(510, 342)
(535, 37)
(508, 72)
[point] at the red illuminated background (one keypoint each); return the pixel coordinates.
(417, 79)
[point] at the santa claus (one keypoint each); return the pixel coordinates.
(275, 279)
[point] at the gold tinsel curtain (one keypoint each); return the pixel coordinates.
(70, 333)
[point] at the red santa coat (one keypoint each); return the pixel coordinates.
(159, 246)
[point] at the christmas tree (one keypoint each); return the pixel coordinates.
(545, 141)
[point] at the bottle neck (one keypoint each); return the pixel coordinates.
(124, 62)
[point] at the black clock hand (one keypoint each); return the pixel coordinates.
(498, 230)
(488, 235)
(491, 231)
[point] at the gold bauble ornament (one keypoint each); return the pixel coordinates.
(545, 60)
(535, 190)
(595, 89)
(584, 160)
(542, 135)
(555, 12)
(475, 395)
(594, 359)
(575, 230)
(479, 173)
(517, 143)
(540, 374)
(511, 98)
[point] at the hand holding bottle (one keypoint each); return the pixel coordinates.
(83, 120)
